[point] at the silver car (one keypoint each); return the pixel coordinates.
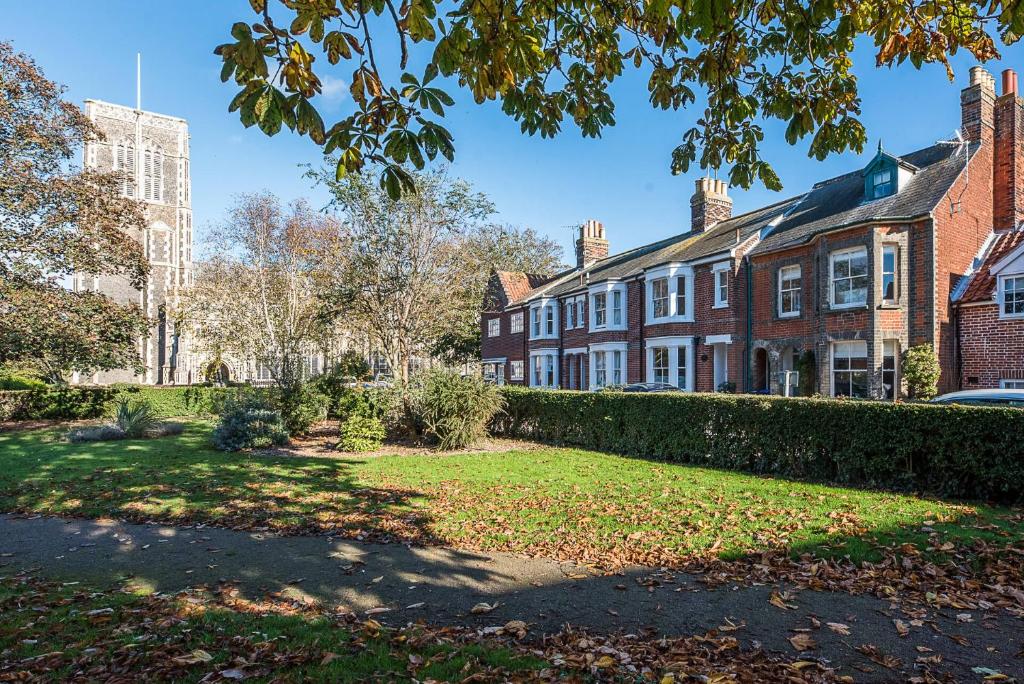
(1012, 398)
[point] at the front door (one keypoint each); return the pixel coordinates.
(721, 364)
(500, 373)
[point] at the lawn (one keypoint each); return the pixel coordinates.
(560, 503)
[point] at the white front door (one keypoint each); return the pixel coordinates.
(721, 364)
(500, 373)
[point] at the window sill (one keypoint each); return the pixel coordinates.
(720, 306)
(668, 319)
(608, 328)
(890, 305)
(835, 308)
(787, 316)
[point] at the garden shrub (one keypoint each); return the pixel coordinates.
(249, 423)
(134, 417)
(920, 370)
(193, 400)
(302, 408)
(57, 402)
(96, 433)
(361, 433)
(962, 451)
(455, 410)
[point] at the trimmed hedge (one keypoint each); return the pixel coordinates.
(961, 451)
(55, 403)
(174, 402)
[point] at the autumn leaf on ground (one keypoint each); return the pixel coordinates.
(876, 655)
(482, 607)
(839, 628)
(803, 642)
(776, 599)
(901, 627)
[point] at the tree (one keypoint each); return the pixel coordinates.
(482, 251)
(56, 220)
(743, 60)
(921, 371)
(257, 296)
(397, 272)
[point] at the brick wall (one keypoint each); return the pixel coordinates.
(990, 348)
(510, 345)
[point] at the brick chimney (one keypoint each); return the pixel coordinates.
(591, 244)
(1008, 156)
(710, 204)
(976, 106)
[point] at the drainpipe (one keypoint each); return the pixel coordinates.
(750, 293)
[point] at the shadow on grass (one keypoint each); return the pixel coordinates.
(182, 479)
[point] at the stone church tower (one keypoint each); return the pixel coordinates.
(151, 150)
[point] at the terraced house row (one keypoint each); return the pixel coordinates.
(922, 247)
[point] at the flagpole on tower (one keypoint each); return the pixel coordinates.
(138, 81)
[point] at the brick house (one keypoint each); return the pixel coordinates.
(837, 281)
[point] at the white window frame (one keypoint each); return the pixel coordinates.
(516, 370)
(895, 249)
(672, 273)
(673, 344)
(834, 353)
(1011, 383)
(608, 352)
(798, 290)
(892, 346)
(1002, 294)
(570, 313)
(581, 305)
(515, 322)
(720, 275)
(549, 360)
(609, 289)
(494, 327)
(847, 253)
(542, 311)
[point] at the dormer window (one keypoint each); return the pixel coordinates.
(882, 184)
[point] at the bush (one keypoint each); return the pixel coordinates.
(302, 408)
(194, 400)
(962, 451)
(454, 409)
(135, 417)
(249, 424)
(55, 403)
(96, 433)
(361, 433)
(921, 371)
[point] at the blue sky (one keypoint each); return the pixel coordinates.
(621, 179)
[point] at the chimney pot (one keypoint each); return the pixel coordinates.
(710, 204)
(1009, 82)
(591, 244)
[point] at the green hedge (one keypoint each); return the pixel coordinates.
(57, 403)
(174, 402)
(969, 452)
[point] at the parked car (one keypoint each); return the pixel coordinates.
(984, 397)
(643, 387)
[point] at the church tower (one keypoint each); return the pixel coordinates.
(151, 150)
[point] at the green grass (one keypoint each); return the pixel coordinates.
(54, 631)
(554, 502)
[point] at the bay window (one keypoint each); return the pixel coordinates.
(608, 306)
(848, 278)
(607, 364)
(790, 282)
(544, 365)
(670, 360)
(669, 294)
(850, 369)
(544, 319)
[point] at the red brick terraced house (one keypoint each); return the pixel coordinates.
(849, 274)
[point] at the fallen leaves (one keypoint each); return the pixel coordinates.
(803, 642)
(482, 607)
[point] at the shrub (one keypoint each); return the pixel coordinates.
(963, 451)
(361, 433)
(301, 408)
(134, 417)
(96, 433)
(55, 403)
(921, 371)
(455, 410)
(249, 424)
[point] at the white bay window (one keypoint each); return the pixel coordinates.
(544, 368)
(607, 364)
(848, 278)
(670, 360)
(669, 294)
(544, 319)
(607, 306)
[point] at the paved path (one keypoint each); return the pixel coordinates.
(545, 594)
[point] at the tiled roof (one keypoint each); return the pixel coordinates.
(840, 201)
(518, 284)
(830, 204)
(982, 284)
(720, 238)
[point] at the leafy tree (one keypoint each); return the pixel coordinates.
(257, 297)
(56, 220)
(738, 60)
(396, 273)
(921, 371)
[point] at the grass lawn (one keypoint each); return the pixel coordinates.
(57, 632)
(559, 503)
